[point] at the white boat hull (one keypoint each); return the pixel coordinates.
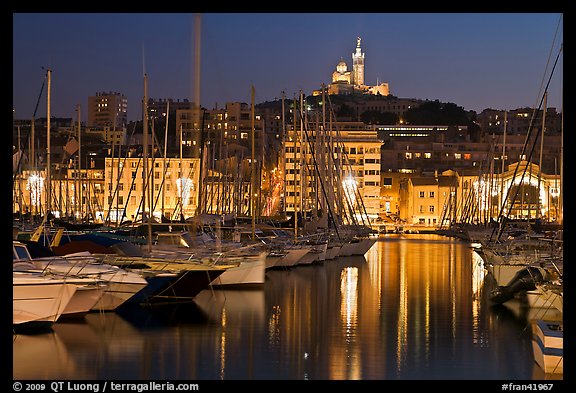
(293, 257)
(84, 300)
(117, 293)
(39, 300)
(247, 273)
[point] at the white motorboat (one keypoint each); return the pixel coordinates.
(39, 300)
(120, 284)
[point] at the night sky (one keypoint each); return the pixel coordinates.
(475, 60)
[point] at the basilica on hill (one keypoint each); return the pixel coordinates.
(352, 82)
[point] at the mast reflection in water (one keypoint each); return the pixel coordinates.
(414, 307)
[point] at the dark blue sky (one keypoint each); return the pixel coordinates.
(475, 60)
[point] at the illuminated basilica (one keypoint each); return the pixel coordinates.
(351, 82)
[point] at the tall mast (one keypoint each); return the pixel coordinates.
(283, 167)
(501, 194)
(253, 172)
(145, 199)
(48, 174)
(181, 175)
(165, 146)
(561, 195)
(197, 110)
(303, 173)
(294, 170)
(541, 148)
(80, 187)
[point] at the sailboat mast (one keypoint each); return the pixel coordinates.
(165, 147)
(80, 188)
(541, 148)
(181, 176)
(561, 195)
(294, 170)
(501, 194)
(48, 174)
(145, 199)
(253, 172)
(283, 166)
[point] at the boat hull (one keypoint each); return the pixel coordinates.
(548, 345)
(39, 302)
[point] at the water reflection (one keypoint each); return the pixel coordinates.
(414, 307)
(31, 351)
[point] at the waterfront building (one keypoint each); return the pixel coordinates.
(173, 185)
(475, 197)
(356, 155)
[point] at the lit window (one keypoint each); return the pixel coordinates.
(408, 155)
(457, 156)
(427, 155)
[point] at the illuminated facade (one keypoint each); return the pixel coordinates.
(75, 193)
(455, 197)
(173, 181)
(350, 82)
(356, 155)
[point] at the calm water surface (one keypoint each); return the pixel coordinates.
(414, 307)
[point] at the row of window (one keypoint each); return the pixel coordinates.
(157, 164)
(134, 200)
(134, 187)
(423, 221)
(430, 194)
(338, 149)
(457, 156)
(430, 209)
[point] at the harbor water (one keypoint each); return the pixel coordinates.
(414, 307)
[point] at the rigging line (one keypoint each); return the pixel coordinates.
(501, 216)
(18, 166)
(358, 205)
(120, 174)
(312, 150)
(550, 56)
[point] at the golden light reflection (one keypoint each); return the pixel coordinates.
(453, 282)
(349, 302)
(402, 337)
(274, 327)
(349, 318)
(223, 345)
(375, 270)
(427, 314)
(478, 274)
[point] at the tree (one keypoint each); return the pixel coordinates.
(377, 117)
(345, 111)
(437, 113)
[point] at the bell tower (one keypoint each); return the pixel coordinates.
(358, 65)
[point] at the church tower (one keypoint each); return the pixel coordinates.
(358, 66)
